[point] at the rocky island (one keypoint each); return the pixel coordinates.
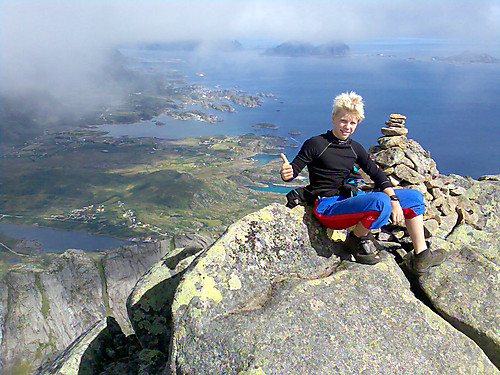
(278, 294)
(266, 125)
(469, 58)
(304, 49)
(174, 100)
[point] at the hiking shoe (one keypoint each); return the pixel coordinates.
(363, 249)
(421, 264)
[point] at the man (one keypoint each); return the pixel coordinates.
(330, 160)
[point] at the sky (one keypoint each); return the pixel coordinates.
(58, 44)
(85, 21)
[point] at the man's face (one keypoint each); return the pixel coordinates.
(344, 124)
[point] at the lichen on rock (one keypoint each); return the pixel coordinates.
(348, 319)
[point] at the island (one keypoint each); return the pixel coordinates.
(304, 49)
(265, 125)
(173, 101)
(469, 58)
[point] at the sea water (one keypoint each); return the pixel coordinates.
(57, 240)
(452, 109)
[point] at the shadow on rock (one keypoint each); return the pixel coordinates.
(323, 244)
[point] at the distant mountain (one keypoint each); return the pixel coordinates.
(303, 49)
(293, 49)
(332, 49)
(470, 58)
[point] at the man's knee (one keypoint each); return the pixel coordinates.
(379, 212)
(382, 201)
(412, 202)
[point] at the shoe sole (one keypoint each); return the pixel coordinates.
(367, 259)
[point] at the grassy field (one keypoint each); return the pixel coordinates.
(134, 187)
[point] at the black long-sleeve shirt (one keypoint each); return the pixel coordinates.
(330, 160)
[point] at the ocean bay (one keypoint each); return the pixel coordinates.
(57, 241)
(452, 109)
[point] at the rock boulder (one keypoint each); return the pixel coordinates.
(48, 309)
(149, 305)
(261, 301)
(466, 290)
(87, 354)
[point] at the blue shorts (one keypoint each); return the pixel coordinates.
(371, 209)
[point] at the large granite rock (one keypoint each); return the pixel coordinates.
(48, 309)
(259, 249)
(462, 216)
(261, 301)
(103, 349)
(44, 309)
(149, 304)
(466, 292)
(191, 241)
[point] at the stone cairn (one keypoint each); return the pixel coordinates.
(408, 165)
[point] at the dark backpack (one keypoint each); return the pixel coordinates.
(301, 195)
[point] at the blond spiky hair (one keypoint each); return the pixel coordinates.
(351, 102)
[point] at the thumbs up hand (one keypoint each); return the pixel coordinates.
(286, 169)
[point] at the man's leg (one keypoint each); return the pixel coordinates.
(423, 258)
(362, 248)
(360, 230)
(371, 210)
(415, 228)
(365, 211)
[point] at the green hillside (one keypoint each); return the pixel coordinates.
(134, 187)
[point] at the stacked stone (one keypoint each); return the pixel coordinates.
(395, 126)
(408, 165)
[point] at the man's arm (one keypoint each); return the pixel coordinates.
(397, 211)
(306, 154)
(370, 167)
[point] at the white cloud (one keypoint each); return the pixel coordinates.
(59, 42)
(117, 20)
